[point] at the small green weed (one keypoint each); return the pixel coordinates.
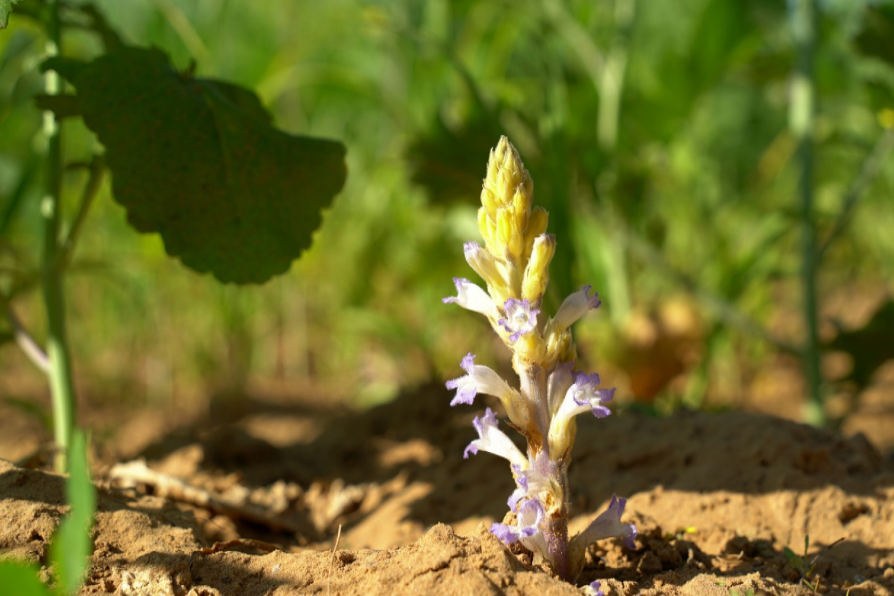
(71, 546)
(800, 564)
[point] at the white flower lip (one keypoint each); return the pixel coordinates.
(576, 306)
(480, 379)
(472, 297)
(493, 440)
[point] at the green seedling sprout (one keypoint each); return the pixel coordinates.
(514, 264)
(71, 545)
(801, 565)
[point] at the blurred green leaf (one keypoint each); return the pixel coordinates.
(110, 38)
(450, 163)
(870, 347)
(62, 106)
(21, 579)
(243, 98)
(13, 204)
(72, 545)
(794, 560)
(877, 34)
(68, 68)
(721, 26)
(18, 45)
(5, 9)
(197, 161)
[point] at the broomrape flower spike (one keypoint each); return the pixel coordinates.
(514, 265)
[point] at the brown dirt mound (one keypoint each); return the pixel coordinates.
(716, 498)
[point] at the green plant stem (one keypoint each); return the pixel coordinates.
(61, 385)
(801, 122)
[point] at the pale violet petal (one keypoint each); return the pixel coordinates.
(520, 318)
(583, 396)
(609, 525)
(527, 528)
(506, 533)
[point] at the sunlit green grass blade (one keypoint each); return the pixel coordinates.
(21, 579)
(71, 547)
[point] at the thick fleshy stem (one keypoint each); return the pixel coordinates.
(555, 526)
(533, 388)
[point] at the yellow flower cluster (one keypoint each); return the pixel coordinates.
(517, 253)
(514, 233)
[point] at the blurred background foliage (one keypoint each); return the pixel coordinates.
(656, 134)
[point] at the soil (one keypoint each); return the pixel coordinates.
(716, 498)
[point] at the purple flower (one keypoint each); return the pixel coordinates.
(473, 298)
(531, 481)
(520, 318)
(608, 525)
(493, 440)
(596, 589)
(574, 307)
(527, 529)
(584, 393)
(581, 397)
(480, 379)
(528, 521)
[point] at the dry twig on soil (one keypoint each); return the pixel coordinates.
(137, 472)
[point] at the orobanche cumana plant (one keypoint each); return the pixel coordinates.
(514, 264)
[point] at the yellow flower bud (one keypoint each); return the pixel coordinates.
(536, 275)
(489, 201)
(505, 230)
(488, 229)
(562, 438)
(537, 222)
(505, 173)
